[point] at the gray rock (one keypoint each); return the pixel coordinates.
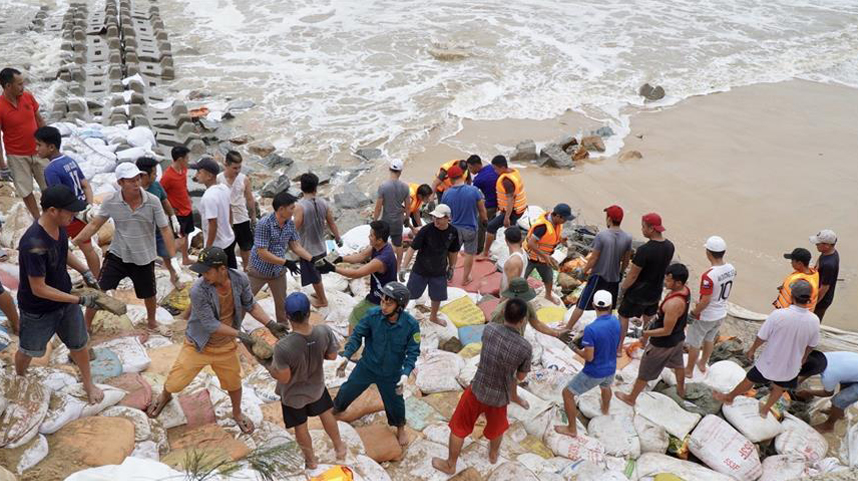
(199, 94)
(276, 161)
(275, 186)
(593, 143)
(567, 141)
(651, 93)
(195, 189)
(240, 105)
(209, 124)
(351, 198)
(241, 139)
(368, 154)
(605, 131)
(553, 156)
(262, 148)
(525, 150)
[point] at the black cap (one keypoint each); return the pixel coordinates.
(208, 164)
(799, 254)
(815, 364)
(563, 210)
(61, 196)
(208, 258)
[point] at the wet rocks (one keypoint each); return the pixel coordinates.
(351, 198)
(241, 139)
(275, 186)
(262, 148)
(368, 154)
(275, 161)
(197, 94)
(605, 131)
(568, 143)
(630, 155)
(553, 156)
(448, 53)
(240, 105)
(581, 153)
(593, 143)
(649, 92)
(524, 151)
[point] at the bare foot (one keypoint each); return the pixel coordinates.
(402, 437)
(702, 366)
(440, 322)
(566, 430)
(318, 305)
(625, 398)
(764, 412)
(468, 280)
(521, 402)
(310, 463)
(719, 396)
(689, 373)
(94, 394)
(443, 466)
(340, 452)
(493, 456)
(552, 299)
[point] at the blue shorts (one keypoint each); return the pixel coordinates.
(38, 329)
(582, 383)
(846, 397)
(437, 286)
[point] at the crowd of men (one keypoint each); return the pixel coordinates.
(153, 220)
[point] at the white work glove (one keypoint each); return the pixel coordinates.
(341, 368)
(174, 221)
(401, 384)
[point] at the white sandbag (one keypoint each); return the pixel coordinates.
(146, 450)
(331, 378)
(163, 316)
(467, 373)
(557, 465)
(650, 464)
(142, 431)
(548, 383)
(172, 415)
(432, 335)
(135, 468)
(662, 410)
(57, 380)
(64, 408)
(130, 352)
(359, 287)
(617, 434)
(455, 293)
(335, 281)
(510, 471)
(262, 384)
(560, 360)
(669, 377)
(540, 425)
(369, 469)
(112, 395)
(798, 438)
(437, 372)
(724, 449)
(530, 216)
(250, 406)
(653, 438)
(587, 318)
(590, 405)
(744, 414)
(582, 447)
(850, 443)
(784, 468)
(828, 465)
(536, 407)
(132, 154)
(723, 376)
(141, 137)
(34, 454)
(27, 404)
(355, 240)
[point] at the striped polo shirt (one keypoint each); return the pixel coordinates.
(134, 233)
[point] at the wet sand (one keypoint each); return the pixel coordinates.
(764, 166)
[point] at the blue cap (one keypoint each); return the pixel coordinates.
(297, 302)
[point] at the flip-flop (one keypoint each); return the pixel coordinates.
(245, 424)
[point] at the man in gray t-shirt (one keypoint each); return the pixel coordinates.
(612, 249)
(393, 198)
(297, 366)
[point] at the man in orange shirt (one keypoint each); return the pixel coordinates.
(19, 120)
(174, 181)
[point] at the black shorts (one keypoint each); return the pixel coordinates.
(243, 235)
(231, 260)
(629, 309)
(186, 224)
(757, 378)
(297, 416)
(309, 273)
(114, 270)
(594, 284)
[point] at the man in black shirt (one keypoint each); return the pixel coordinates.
(437, 246)
(828, 266)
(641, 289)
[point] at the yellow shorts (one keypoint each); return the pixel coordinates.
(189, 363)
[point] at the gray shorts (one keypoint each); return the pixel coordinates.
(468, 238)
(582, 383)
(395, 232)
(655, 359)
(699, 331)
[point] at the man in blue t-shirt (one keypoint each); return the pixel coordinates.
(485, 179)
(598, 347)
(466, 204)
(64, 170)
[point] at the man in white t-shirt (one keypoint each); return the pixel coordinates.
(215, 211)
(709, 312)
(242, 203)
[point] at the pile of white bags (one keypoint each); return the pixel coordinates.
(724, 449)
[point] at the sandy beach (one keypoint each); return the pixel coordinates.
(764, 166)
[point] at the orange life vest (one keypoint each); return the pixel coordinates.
(548, 242)
(519, 200)
(785, 297)
(415, 199)
(447, 182)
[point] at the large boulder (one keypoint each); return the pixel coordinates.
(275, 186)
(630, 155)
(524, 150)
(275, 161)
(262, 148)
(649, 92)
(368, 154)
(351, 198)
(554, 156)
(593, 143)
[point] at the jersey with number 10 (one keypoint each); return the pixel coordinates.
(717, 282)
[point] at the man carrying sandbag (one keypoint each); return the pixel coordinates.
(504, 354)
(392, 346)
(297, 367)
(840, 368)
(219, 300)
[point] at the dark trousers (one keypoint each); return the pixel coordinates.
(481, 232)
(359, 381)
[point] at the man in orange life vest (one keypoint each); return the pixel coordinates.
(442, 181)
(800, 259)
(511, 198)
(419, 195)
(542, 238)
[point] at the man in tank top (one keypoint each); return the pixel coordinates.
(311, 217)
(241, 203)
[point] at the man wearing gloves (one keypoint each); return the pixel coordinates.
(219, 300)
(392, 346)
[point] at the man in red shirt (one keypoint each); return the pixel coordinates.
(174, 180)
(19, 120)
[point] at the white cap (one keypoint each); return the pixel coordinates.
(127, 170)
(396, 164)
(715, 244)
(825, 236)
(602, 299)
(443, 210)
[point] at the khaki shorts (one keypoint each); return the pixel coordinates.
(24, 169)
(189, 363)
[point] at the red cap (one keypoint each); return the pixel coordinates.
(615, 212)
(653, 220)
(455, 172)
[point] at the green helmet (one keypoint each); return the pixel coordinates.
(398, 292)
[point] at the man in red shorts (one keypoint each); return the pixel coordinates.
(505, 354)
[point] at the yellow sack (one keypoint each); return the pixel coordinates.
(471, 350)
(667, 477)
(463, 312)
(548, 315)
(337, 473)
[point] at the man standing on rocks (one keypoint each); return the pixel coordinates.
(19, 119)
(598, 349)
(437, 246)
(241, 202)
(666, 336)
(641, 290)
(505, 354)
(297, 367)
(442, 181)
(612, 249)
(215, 210)
(800, 261)
(393, 199)
(47, 307)
(275, 233)
(311, 217)
(542, 239)
(467, 207)
(136, 215)
(390, 353)
(485, 179)
(511, 198)
(711, 310)
(828, 266)
(791, 333)
(379, 263)
(219, 300)
(419, 195)
(174, 180)
(62, 169)
(149, 167)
